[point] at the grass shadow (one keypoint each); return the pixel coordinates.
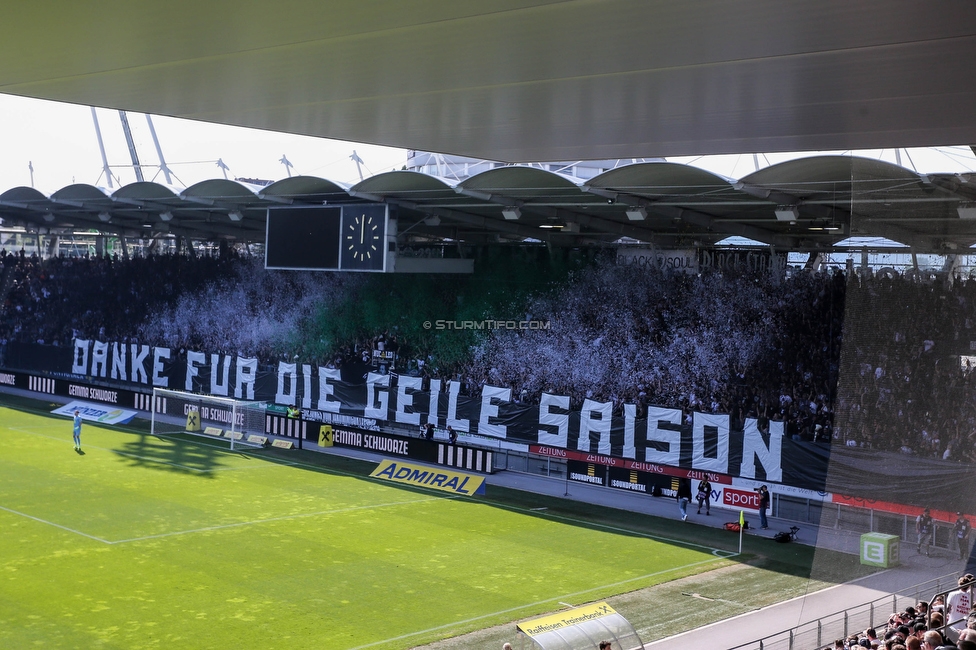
(177, 453)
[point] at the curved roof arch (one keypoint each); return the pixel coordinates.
(401, 183)
(660, 178)
(80, 192)
(819, 174)
(23, 194)
(518, 177)
(805, 204)
(305, 188)
(219, 189)
(145, 191)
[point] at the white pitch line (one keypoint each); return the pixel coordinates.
(527, 605)
(271, 519)
(51, 523)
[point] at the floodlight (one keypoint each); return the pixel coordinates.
(511, 213)
(235, 215)
(636, 213)
(787, 213)
(966, 210)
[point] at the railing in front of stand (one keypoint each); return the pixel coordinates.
(823, 631)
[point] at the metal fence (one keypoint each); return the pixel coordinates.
(823, 631)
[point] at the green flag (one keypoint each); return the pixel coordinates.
(742, 518)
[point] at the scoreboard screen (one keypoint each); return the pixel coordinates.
(340, 238)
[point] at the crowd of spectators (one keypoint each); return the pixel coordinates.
(751, 345)
(907, 384)
(256, 313)
(52, 301)
(947, 623)
(220, 303)
(747, 344)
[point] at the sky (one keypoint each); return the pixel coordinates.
(58, 140)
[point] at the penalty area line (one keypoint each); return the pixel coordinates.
(51, 523)
(554, 599)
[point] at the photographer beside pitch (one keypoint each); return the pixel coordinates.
(763, 506)
(704, 496)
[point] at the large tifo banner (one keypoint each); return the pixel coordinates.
(628, 453)
(705, 444)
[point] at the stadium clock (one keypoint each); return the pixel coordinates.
(363, 239)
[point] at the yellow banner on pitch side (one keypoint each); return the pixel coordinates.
(431, 477)
(565, 619)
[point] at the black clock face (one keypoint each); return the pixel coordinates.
(362, 241)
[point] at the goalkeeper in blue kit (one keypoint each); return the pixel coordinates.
(77, 430)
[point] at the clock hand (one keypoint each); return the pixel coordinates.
(362, 232)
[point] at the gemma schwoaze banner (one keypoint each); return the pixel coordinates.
(460, 483)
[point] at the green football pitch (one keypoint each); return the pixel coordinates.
(146, 542)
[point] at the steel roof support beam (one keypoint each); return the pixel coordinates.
(914, 239)
(777, 197)
(463, 217)
(591, 221)
(697, 218)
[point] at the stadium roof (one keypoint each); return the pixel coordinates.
(520, 80)
(804, 204)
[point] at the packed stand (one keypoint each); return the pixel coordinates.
(746, 344)
(948, 623)
(908, 385)
(53, 301)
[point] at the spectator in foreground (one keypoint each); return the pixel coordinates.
(959, 603)
(932, 640)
